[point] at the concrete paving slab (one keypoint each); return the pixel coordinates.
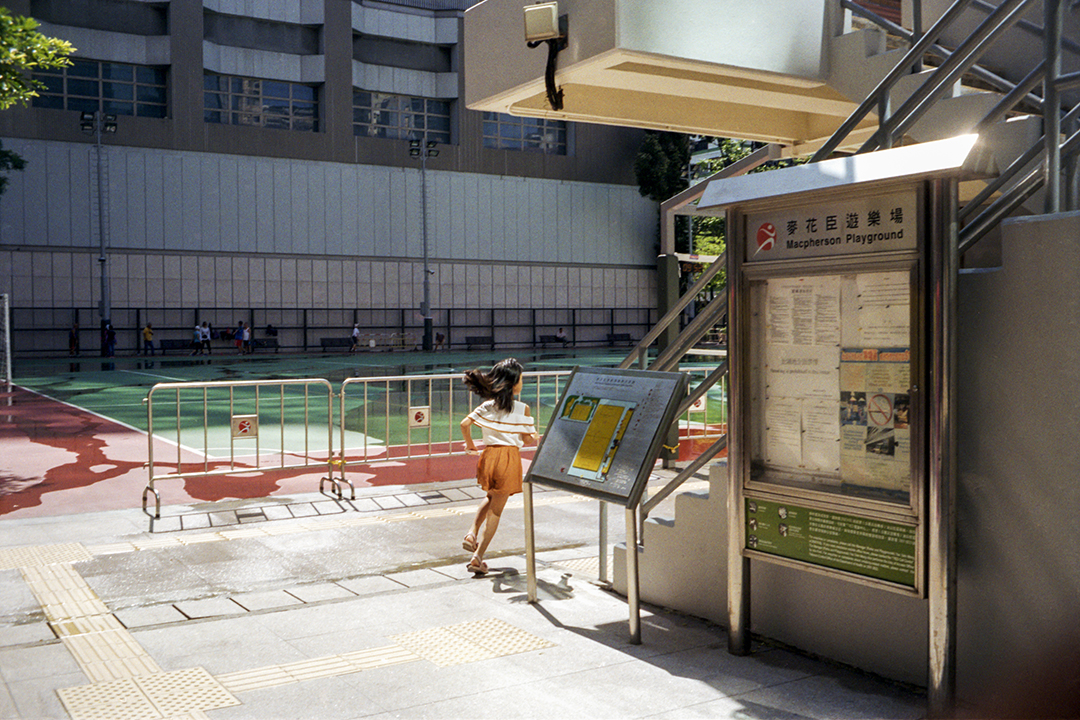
(266, 600)
(371, 585)
(150, 615)
(418, 578)
(34, 632)
(319, 592)
(209, 607)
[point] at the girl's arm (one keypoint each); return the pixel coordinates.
(533, 438)
(466, 432)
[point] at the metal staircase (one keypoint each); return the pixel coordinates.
(980, 67)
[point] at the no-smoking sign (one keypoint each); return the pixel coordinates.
(879, 410)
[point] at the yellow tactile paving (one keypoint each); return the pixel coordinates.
(587, 566)
(499, 637)
(37, 555)
(85, 625)
(380, 657)
(443, 647)
(183, 691)
(330, 666)
(110, 655)
(117, 700)
(62, 593)
(179, 694)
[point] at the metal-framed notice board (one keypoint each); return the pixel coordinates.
(833, 357)
(842, 353)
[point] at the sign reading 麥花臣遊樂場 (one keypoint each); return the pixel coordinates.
(854, 225)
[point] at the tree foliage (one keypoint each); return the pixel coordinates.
(661, 164)
(22, 50)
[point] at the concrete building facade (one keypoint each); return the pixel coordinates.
(260, 170)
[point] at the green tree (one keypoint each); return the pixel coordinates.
(709, 235)
(661, 171)
(22, 50)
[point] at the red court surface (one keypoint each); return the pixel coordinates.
(56, 459)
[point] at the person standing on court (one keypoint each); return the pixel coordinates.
(148, 339)
(73, 339)
(507, 425)
(355, 338)
(204, 337)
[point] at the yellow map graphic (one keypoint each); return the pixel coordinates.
(607, 421)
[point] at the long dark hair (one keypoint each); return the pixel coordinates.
(497, 384)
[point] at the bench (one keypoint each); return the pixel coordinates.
(167, 345)
(618, 338)
(265, 344)
(553, 339)
(484, 340)
(335, 342)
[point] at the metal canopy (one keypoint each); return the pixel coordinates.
(960, 157)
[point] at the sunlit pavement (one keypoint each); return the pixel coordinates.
(284, 602)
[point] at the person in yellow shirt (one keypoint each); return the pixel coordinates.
(148, 339)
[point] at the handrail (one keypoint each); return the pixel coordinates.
(673, 313)
(1015, 197)
(672, 204)
(937, 50)
(913, 55)
(963, 58)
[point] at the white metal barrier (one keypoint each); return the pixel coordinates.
(244, 426)
(273, 425)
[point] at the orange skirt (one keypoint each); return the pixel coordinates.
(499, 469)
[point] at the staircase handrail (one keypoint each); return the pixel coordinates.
(748, 163)
(1015, 197)
(966, 55)
(940, 52)
(914, 55)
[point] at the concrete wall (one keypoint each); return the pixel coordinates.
(212, 230)
(1018, 640)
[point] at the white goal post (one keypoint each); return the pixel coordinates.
(5, 342)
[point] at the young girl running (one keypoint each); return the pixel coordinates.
(506, 425)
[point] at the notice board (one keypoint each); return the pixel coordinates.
(607, 431)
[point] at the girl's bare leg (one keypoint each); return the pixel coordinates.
(481, 514)
(495, 505)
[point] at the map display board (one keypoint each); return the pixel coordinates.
(607, 432)
(864, 546)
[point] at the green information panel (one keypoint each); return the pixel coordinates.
(863, 546)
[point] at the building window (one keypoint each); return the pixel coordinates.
(506, 132)
(113, 88)
(266, 103)
(400, 117)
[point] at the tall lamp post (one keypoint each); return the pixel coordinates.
(424, 150)
(96, 123)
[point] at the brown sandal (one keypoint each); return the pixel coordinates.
(469, 543)
(477, 566)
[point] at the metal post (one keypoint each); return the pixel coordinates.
(941, 559)
(424, 150)
(633, 597)
(603, 578)
(738, 579)
(1054, 18)
(530, 542)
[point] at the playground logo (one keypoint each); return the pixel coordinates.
(766, 237)
(245, 426)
